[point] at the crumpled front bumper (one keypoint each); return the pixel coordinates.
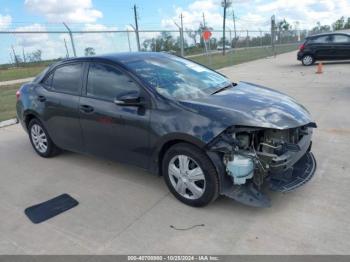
(297, 175)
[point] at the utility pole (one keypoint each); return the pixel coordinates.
(273, 27)
(15, 58)
(181, 35)
(65, 45)
(71, 39)
(247, 39)
(234, 25)
(230, 37)
(128, 39)
(24, 56)
(205, 28)
(225, 4)
(260, 37)
(137, 29)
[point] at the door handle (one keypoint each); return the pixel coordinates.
(41, 98)
(86, 109)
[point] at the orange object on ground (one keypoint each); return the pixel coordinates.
(319, 68)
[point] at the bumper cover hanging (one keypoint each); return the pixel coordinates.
(299, 174)
(296, 176)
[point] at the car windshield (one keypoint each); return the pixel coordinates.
(178, 78)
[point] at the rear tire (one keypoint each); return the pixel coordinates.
(40, 139)
(308, 60)
(190, 175)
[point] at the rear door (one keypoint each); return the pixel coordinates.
(322, 47)
(341, 46)
(113, 131)
(61, 93)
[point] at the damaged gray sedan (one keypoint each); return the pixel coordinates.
(204, 134)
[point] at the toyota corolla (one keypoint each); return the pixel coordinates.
(206, 135)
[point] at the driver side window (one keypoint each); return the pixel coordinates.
(106, 82)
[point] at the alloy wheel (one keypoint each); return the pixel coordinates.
(307, 60)
(39, 138)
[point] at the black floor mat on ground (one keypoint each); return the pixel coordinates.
(50, 208)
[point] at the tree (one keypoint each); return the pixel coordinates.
(339, 24)
(163, 42)
(347, 24)
(283, 29)
(320, 29)
(89, 51)
(18, 59)
(34, 56)
(193, 35)
(283, 25)
(147, 44)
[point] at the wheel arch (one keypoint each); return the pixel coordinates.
(168, 141)
(308, 54)
(28, 116)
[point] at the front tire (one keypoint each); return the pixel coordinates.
(308, 60)
(190, 175)
(41, 140)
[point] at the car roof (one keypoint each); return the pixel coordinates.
(119, 58)
(327, 34)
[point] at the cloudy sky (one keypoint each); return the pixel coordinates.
(153, 14)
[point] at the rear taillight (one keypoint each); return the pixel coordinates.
(18, 94)
(301, 47)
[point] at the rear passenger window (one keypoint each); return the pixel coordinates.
(341, 39)
(106, 82)
(321, 39)
(67, 79)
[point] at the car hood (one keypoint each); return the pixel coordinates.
(248, 104)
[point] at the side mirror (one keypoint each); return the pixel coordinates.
(129, 99)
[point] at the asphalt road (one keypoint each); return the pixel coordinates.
(124, 210)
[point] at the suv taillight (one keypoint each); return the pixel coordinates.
(18, 94)
(301, 47)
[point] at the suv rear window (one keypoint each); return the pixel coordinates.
(67, 79)
(321, 39)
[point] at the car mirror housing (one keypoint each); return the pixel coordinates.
(129, 99)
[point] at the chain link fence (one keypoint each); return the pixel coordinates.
(36, 48)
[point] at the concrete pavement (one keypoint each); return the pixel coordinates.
(124, 210)
(16, 81)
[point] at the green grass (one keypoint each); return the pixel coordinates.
(8, 101)
(30, 69)
(216, 61)
(20, 72)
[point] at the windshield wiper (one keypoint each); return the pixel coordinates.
(222, 89)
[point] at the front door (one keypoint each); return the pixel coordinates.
(341, 45)
(114, 131)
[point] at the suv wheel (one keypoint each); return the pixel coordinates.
(308, 60)
(190, 175)
(41, 140)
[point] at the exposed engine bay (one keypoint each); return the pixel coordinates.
(253, 156)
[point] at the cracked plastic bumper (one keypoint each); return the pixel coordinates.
(299, 174)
